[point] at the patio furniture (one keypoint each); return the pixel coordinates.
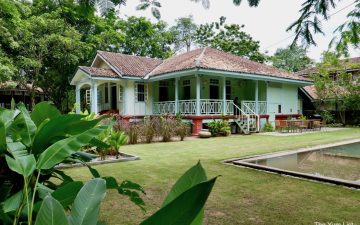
(317, 125)
(281, 125)
(304, 125)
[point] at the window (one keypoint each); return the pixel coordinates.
(88, 96)
(140, 92)
(228, 90)
(121, 93)
(106, 93)
(279, 108)
(186, 89)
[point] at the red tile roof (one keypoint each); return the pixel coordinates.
(99, 72)
(130, 65)
(213, 59)
(202, 58)
(311, 91)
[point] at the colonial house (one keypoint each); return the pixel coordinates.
(200, 85)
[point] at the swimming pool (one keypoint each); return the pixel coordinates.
(338, 164)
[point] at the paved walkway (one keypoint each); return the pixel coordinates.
(326, 129)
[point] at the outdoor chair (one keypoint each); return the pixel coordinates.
(317, 125)
(304, 125)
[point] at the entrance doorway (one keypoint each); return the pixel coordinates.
(113, 97)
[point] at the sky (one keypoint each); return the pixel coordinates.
(266, 23)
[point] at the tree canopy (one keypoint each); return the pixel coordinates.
(292, 58)
(184, 31)
(229, 38)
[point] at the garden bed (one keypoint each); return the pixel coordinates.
(109, 159)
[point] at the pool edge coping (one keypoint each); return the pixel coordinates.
(295, 174)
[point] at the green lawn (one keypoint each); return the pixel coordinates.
(241, 195)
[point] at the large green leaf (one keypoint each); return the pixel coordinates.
(190, 178)
(43, 111)
(85, 210)
(184, 209)
(64, 148)
(22, 162)
(59, 128)
(24, 165)
(67, 193)
(12, 203)
(7, 116)
(23, 127)
(51, 213)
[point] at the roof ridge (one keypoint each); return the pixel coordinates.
(198, 59)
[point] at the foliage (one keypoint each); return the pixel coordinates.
(116, 140)
(143, 38)
(184, 31)
(314, 12)
(131, 129)
(182, 129)
(150, 127)
(167, 124)
(31, 145)
(268, 127)
(337, 90)
(229, 38)
(292, 59)
(191, 190)
(302, 117)
(327, 116)
(219, 127)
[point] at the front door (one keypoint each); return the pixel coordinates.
(113, 98)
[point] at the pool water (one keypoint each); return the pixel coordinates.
(336, 163)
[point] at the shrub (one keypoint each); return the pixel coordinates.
(225, 128)
(268, 127)
(327, 116)
(149, 128)
(214, 127)
(131, 129)
(182, 129)
(219, 127)
(167, 124)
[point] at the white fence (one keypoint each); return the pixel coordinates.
(188, 107)
(249, 107)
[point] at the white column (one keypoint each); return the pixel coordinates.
(94, 98)
(176, 95)
(257, 97)
(109, 95)
(78, 99)
(198, 89)
(224, 95)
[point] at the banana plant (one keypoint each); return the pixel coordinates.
(32, 144)
(116, 140)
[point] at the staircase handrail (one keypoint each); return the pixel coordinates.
(249, 115)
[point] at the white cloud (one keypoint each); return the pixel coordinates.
(266, 23)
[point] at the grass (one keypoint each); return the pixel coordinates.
(240, 195)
